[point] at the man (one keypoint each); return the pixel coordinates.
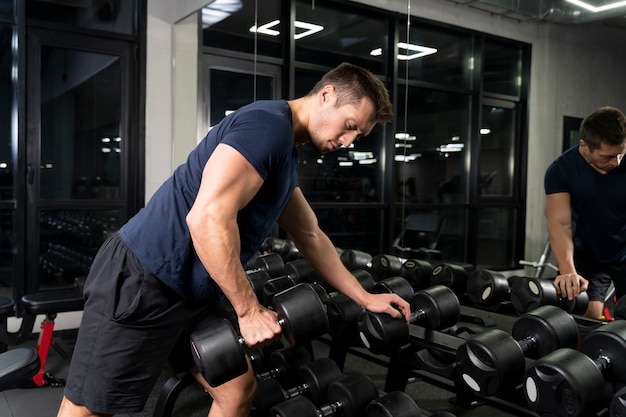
(186, 248)
(586, 210)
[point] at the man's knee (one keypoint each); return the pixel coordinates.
(69, 409)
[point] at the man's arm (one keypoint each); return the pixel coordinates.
(228, 183)
(299, 220)
(558, 214)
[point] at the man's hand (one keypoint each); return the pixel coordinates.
(260, 327)
(570, 285)
(391, 304)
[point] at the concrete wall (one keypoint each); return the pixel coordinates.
(573, 72)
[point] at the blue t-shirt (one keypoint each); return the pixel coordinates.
(158, 234)
(598, 204)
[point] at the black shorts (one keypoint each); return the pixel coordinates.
(132, 324)
(600, 276)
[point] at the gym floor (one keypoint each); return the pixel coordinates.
(193, 402)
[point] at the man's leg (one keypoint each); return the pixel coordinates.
(595, 309)
(233, 398)
(69, 409)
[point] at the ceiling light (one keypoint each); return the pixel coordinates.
(219, 10)
(376, 52)
(266, 29)
(421, 51)
(485, 131)
(596, 9)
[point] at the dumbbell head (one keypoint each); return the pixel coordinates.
(343, 313)
(301, 313)
(608, 341)
(549, 326)
(353, 392)
(487, 288)
(493, 361)
(284, 363)
(453, 276)
(618, 403)
(300, 271)
(383, 266)
(317, 376)
(393, 404)
(436, 308)
(271, 262)
(394, 285)
(257, 278)
(218, 352)
(528, 293)
(417, 272)
(275, 285)
(438, 305)
(563, 383)
(355, 259)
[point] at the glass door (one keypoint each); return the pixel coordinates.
(79, 140)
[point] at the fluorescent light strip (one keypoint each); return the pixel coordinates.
(421, 51)
(266, 29)
(598, 8)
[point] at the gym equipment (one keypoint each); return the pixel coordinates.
(347, 397)
(451, 275)
(435, 308)
(219, 352)
(19, 364)
(383, 266)
(271, 262)
(572, 383)
(313, 380)
(394, 285)
(355, 259)
(417, 272)
(283, 247)
(493, 362)
(488, 288)
(618, 404)
(257, 279)
(393, 404)
(284, 362)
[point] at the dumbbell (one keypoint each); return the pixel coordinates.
(493, 361)
(271, 262)
(283, 364)
(355, 259)
(347, 397)
(416, 271)
(393, 404)
(286, 248)
(618, 404)
(313, 380)
(435, 308)
(383, 266)
(572, 383)
(451, 275)
(487, 288)
(218, 350)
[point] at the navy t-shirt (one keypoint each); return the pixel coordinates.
(598, 204)
(158, 234)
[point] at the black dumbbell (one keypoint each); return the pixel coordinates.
(347, 397)
(487, 288)
(383, 266)
(493, 361)
(417, 272)
(286, 248)
(257, 279)
(271, 262)
(393, 404)
(571, 383)
(355, 259)
(435, 308)
(451, 275)
(528, 293)
(313, 380)
(283, 363)
(218, 350)
(618, 403)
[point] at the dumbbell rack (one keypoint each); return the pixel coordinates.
(420, 359)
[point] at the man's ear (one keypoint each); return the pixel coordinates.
(326, 94)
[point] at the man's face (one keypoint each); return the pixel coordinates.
(605, 158)
(332, 127)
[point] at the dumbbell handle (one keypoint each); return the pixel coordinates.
(527, 343)
(603, 362)
(329, 409)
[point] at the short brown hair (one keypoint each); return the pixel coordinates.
(606, 124)
(352, 83)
